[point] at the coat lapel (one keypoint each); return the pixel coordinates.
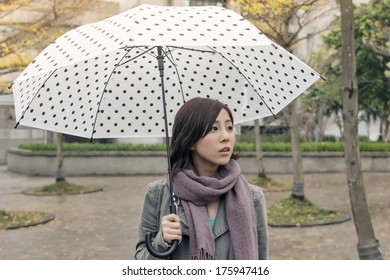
(221, 225)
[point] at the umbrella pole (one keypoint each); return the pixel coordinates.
(160, 59)
(171, 250)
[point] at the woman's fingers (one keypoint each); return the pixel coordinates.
(172, 218)
(171, 228)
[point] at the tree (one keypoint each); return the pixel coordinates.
(285, 21)
(26, 38)
(259, 152)
(12, 58)
(20, 40)
(372, 33)
(368, 246)
(30, 26)
(324, 100)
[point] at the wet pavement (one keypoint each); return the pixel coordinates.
(104, 225)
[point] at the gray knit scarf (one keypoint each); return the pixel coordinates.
(196, 192)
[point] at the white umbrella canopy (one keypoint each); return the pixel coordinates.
(102, 80)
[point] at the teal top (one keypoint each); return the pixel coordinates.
(212, 222)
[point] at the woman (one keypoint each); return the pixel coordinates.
(219, 215)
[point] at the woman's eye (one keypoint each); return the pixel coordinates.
(215, 128)
(230, 128)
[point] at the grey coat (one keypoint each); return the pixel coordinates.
(156, 206)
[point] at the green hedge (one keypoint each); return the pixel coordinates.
(286, 147)
(239, 147)
(94, 147)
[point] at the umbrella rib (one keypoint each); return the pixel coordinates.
(32, 100)
(128, 50)
(104, 89)
(265, 103)
(192, 49)
(171, 59)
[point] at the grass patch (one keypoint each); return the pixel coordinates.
(270, 185)
(296, 212)
(16, 219)
(62, 188)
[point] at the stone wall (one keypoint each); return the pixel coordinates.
(155, 163)
(11, 137)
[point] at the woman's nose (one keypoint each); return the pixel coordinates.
(224, 135)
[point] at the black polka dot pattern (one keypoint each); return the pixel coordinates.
(102, 80)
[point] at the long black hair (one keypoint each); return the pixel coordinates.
(192, 122)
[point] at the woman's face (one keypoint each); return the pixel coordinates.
(216, 147)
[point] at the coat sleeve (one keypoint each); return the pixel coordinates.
(262, 223)
(150, 222)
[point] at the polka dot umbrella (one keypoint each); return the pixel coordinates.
(126, 76)
(102, 80)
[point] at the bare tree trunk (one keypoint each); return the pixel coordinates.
(386, 133)
(259, 151)
(298, 184)
(60, 176)
(381, 124)
(339, 125)
(319, 123)
(54, 9)
(368, 246)
(387, 138)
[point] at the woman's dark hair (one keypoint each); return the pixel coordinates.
(192, 122)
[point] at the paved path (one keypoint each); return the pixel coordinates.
(104, 225)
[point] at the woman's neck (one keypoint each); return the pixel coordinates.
(212, 208)
(207, 171)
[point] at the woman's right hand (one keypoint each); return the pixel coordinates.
(171, 228)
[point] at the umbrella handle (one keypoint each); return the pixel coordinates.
(158, 254)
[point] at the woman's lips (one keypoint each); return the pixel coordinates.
(225, 151)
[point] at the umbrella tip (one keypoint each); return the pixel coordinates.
(16, 126)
